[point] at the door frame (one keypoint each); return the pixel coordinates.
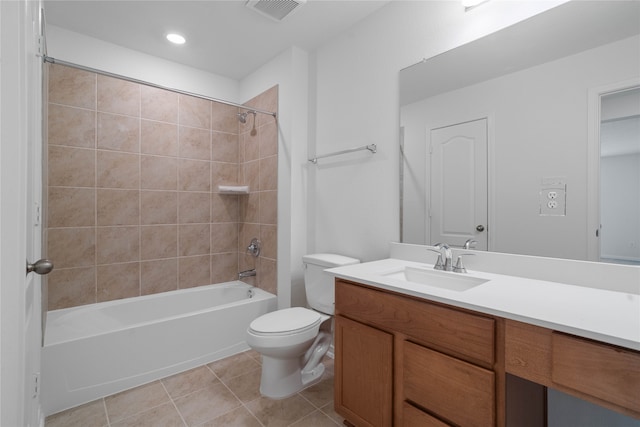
(490, 118)
(593, 161)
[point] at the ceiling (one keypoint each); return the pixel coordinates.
(224, 37)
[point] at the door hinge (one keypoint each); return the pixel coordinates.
(35, 385)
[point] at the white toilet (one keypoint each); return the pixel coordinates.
(293, 341)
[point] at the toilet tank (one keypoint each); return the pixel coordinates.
(319, 285)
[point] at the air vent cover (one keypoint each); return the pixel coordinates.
(275, 9)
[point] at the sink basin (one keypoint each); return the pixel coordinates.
(441, 279)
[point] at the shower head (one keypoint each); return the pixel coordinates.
(242, 117)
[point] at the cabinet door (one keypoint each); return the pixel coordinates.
(363, 373)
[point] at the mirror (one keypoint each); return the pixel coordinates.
(531, 84)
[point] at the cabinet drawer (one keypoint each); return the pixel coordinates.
(606, 372)
(459, 333)
(457, 391)
(414, 417)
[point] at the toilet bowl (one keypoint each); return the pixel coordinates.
(293, 341)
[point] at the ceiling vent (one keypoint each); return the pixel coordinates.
(275, 9)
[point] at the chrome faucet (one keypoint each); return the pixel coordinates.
(470, 244)
(247, 273)
(443, 249)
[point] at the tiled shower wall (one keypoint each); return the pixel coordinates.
(133, 206)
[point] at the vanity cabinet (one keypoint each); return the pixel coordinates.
(597, 372)
(404, 361)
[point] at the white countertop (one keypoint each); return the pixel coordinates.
(603, 315)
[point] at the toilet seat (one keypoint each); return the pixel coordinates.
(288, 321)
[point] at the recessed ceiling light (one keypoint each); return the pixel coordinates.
(176, 38)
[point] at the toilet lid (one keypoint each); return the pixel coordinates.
(285, 321)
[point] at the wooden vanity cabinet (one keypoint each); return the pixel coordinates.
(402, 361)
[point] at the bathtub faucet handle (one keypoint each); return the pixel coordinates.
(254, 247)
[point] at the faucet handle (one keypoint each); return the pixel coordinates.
(459, 268)
(439, 265)
(470, 244)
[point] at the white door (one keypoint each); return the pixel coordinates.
(458, 184)
(20, 195)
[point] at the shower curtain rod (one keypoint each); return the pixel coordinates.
(132, 80)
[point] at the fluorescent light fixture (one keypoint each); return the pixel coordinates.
(176, 38)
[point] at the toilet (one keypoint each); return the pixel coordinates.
(294, 340)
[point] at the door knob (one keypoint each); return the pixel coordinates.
(42, 266)
(480, 228)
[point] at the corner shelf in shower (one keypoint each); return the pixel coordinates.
(233, 189)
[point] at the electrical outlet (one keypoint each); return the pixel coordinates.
(553, 194)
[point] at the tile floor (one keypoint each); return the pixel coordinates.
(222, 393)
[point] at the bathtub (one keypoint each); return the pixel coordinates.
(96, 350)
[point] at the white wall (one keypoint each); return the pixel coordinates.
(539, 120)
(87, 51)
(356, 208)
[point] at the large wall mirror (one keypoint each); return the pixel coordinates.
(511, 140)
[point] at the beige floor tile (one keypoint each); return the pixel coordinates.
(90, 414)
(238, 417)
(320, 394)
(234, 366)
(315, 419)
(206, 404)
(246, 387)
(187, 382)
(136, 400)
(280, 413)
(164, 415)
(329, 410)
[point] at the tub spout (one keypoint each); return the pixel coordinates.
(247, 273)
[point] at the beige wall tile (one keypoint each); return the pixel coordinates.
(158, 241)
(118, 207)
(158, 207)
(158, 173)
(224, 173)
(269, 173)
(71, 126)
(194, 143)
(70, 287)
(118, 170)
(224, 207)
(194, 208)
(118, 133)
(117, 281)
(251, 146)
(251, 172)
(194, 239)
(224, 238)
(195, 112)
(194, 175)
(269, 239)
(118, 96)
(268, 279)
(224, 267)
(224, 147)
(250, 208)
(72, 247)
(194, 271)
(268, 137)
(117, 245)
(225, 118)
(71, 167)
(70, 86)
(268, 207)
(158, 276)
(71, 207)
(158, 104)
(158, 138)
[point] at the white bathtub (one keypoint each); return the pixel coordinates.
(96, 350)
